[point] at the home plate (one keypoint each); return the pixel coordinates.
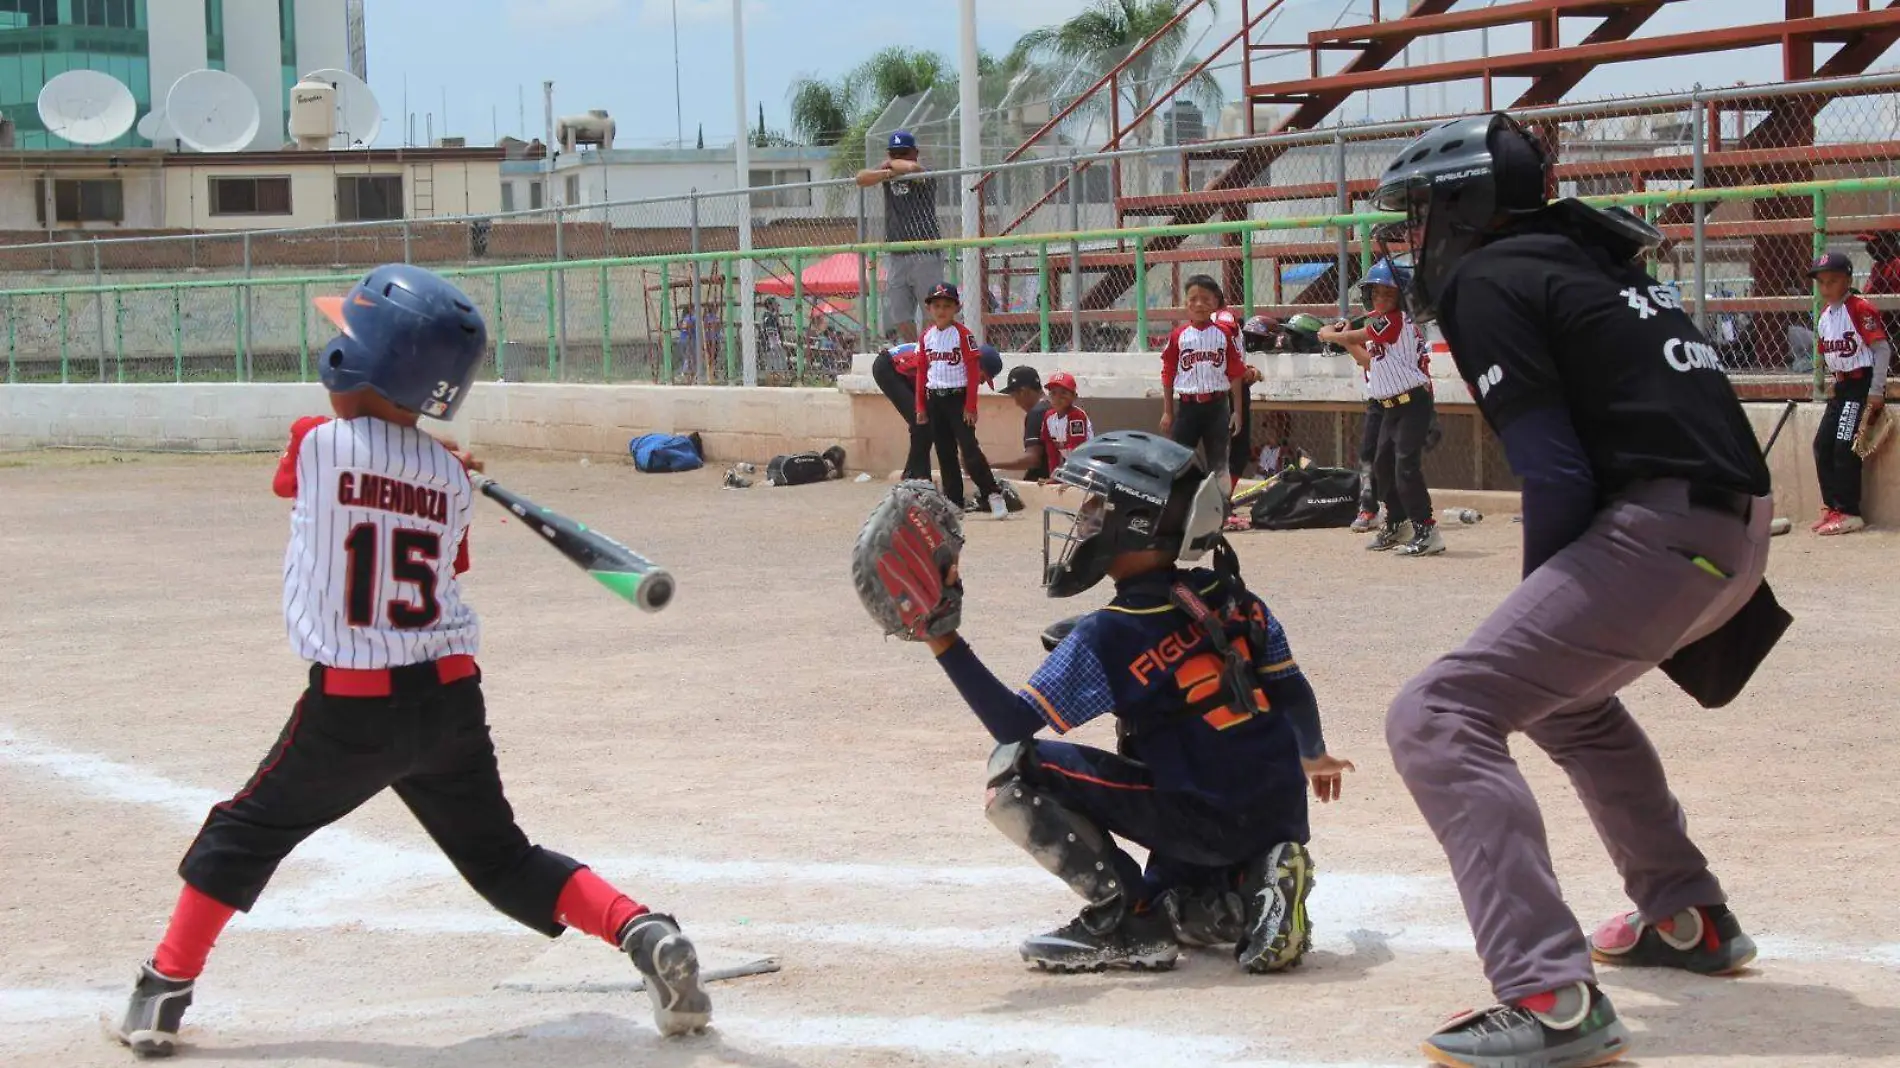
(585, 966)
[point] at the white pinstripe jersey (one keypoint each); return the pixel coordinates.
(1399, 354)
(949, 350)
(380, 515)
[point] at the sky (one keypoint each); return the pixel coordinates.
(475, 72)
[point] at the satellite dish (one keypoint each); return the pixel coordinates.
(359, 118)
(155, 128)
(212, 111)
(87, 107)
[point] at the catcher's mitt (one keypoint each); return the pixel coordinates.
(1869, 438)
(902, 561)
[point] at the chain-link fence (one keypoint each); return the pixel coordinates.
(655, 311)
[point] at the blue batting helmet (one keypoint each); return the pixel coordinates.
(1384, 273)
(991, 360)
(408, 334)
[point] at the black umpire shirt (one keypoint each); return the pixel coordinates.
(1032, 439)
(1539, 320)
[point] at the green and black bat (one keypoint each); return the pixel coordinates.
(629, 575)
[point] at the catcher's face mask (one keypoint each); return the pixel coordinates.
(1081, 558)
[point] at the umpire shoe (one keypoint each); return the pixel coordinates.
(671, 967)
(158, 1006)
(1108, 935)
(1571, 1027)
(1205, 918)
(1391, 536)
(1706, 940)
(1274, 890)
(1426, 542)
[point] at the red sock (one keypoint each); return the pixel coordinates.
(590, 904)
(196, 923)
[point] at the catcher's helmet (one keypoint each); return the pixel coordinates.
(1458, 184)
(408, 334)
(1143, 492)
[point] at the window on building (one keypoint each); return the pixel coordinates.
(81, 200)
(537, 199)
(250, 196)
(507, 196)
(366, 197)
(573, 189)
(780, 198)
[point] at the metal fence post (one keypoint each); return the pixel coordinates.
(178, 335)
(800, 323)
(303, 332)
(1344, 208)
(560, 294)
(865, 296)
(1814, 301)
(606, 329)
(1141, 294)
(13, 344)
(99, 306)
(1699, 124)
(65, 316)
(1042, 295)
(245, 371)
(1075, 255)
(408, 251)
(696, 359)
(666, 322)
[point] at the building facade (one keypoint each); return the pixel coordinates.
(149, 44)
(586, 181)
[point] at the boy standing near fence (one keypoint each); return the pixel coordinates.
(946, 400)
(1202, 371)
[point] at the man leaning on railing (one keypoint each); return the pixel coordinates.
(910, 214)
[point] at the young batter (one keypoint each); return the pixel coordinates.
(378, 534)
(1219, 731)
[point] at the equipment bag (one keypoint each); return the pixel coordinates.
(659, 453)
(797, 469)
(1308, 498)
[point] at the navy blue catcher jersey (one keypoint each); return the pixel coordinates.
(1144, 661)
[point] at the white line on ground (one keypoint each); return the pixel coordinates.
(1351, 910)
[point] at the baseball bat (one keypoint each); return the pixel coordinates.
(1779, 424)
(629, 575)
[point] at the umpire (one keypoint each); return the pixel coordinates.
(1646, 510)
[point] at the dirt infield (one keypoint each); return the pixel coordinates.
(757, 761)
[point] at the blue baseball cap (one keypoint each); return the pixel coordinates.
(944, 291)
(1833, 261)
(902, 139)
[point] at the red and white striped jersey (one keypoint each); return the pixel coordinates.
(1847, 330)
(1202, 359)
(378, 534)
(1400, 356)
(950, 350)
(1065, 432)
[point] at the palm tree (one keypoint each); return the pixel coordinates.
(1108, 32)
(839, 113)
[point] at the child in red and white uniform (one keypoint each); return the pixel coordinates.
(1202, 369)
(1853, 341)
(946, 400)
(1066, 426)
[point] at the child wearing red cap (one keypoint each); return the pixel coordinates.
(1066, 426)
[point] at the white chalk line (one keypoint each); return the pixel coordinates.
(1062, 1045)
(356, 890)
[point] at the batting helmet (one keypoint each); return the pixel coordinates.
(1384, 273)
(408, 334)
(991, 362)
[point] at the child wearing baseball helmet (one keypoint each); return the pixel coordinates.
(1219, 732)
(379, 526)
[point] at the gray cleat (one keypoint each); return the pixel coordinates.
(671, 967)
(153, 1016)
(1427, 542)
(1391, 536)
(1575, 1027)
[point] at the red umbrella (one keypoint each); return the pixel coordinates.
(834, 276)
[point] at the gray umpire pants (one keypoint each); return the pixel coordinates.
(1548, 663)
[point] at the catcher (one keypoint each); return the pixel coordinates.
(1218, 729)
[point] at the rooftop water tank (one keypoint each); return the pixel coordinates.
(313, 114)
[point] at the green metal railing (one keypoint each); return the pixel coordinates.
(195, 330)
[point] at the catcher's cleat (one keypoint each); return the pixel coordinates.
(1106, 937)
(1572, 1027)
(1707, 940)
(1274, 891)
(158, 1005)
(1391, 536)
(1842, 523)
(1363, 522)
(1205, 918)
(1426, 542)
(671, 967)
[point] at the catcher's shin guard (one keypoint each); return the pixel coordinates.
(1064, 842)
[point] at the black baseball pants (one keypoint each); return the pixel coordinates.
(950, 432)
(1240, 447)
(429, 742)
(1836, 464)
(1203, 425)
(1398, 468)
(1368, 452)
(902, 390)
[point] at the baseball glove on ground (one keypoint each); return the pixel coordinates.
(903, 559)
